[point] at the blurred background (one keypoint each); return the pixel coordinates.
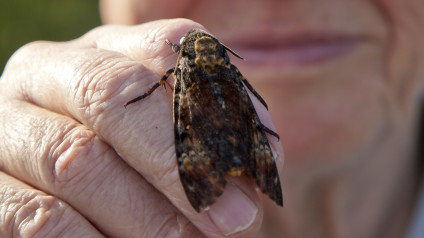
(23, 21)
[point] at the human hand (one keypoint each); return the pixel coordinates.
(75, 162)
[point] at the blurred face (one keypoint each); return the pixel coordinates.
(338, 75)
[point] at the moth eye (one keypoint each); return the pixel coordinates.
(181, 40)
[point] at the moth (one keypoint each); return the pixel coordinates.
(217, 130)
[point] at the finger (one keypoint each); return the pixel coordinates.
(27, 212)
(93, 91)
(63, 158)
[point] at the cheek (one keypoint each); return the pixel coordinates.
(405, 64)
(339, 114)
(329, 115)
(337, 119)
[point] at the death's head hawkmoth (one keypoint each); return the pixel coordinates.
(217, 130)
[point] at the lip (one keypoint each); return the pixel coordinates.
(297, 49)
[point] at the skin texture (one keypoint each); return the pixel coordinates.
(343, 81)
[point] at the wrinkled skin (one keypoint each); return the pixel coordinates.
(343, 81)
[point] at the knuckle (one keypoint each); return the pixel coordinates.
(26, 51)
(28, 213)
(71, 160)
(20, 59)
(92, 86)
(102, 79)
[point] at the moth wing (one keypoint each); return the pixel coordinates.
(250, 141)
(263, 167)
(261, 164)
(203, 183)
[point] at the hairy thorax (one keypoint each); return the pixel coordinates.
(208, 56)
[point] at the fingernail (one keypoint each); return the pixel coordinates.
(233, 211)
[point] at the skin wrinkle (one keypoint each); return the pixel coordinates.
(35, 128)
(57, 152)
(7, 150)
(92, 90)
(127, 74)
(169, 170)
(31, 208)
(70, 159)
(5, 196)
(396, 37)
(95, 105)
(164, 228)
(60, 143)
(49, 211)
(68, 227)
(93, 178)
(45, 165)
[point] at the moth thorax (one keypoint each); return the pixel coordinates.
(208, 55)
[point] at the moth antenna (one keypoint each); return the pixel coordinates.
(232, 52)
(175, 47)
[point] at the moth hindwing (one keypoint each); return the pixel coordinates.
(217, 130)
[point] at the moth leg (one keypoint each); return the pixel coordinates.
(175, 47)
(152, 89)
(271, 132)
(247, 84)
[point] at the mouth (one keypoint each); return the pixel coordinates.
(292, 50)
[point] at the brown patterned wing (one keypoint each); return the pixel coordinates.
(261, 162)
(262, 165)
(197, 156)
